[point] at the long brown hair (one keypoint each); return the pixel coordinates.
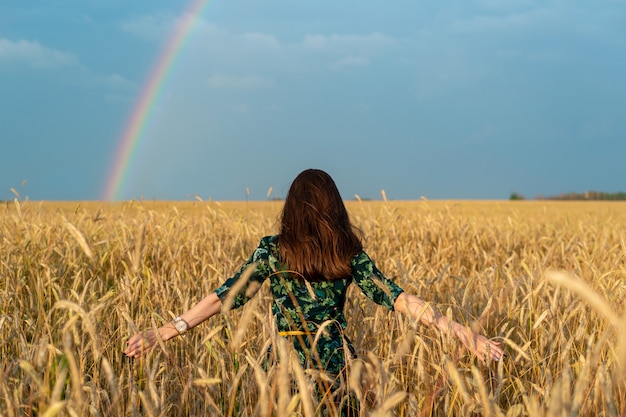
(316, 238)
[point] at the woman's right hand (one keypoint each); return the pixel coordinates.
(140, 343)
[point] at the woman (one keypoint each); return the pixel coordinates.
(311, 263)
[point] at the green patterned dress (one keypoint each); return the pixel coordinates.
(301, 307)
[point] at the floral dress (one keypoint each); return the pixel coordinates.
(301, 307)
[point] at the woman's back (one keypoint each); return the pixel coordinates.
(304, 310)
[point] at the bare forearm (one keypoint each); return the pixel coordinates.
(419, 309)
(143, 341)
(203, 310)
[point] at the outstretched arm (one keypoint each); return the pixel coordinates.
(417, 308)
(142, 342)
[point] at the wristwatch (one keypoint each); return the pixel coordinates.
(180, 325)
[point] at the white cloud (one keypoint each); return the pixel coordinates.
(339, 52)
(505, 5)
(349, 42)
(546, 19)
(350, 61)
(34, 54)
(86, 20)
(261, 39)
(503, 23)
(159, 27)
(151, 27)
(241, 108)
(118, 82)
(238, 82)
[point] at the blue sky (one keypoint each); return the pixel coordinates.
(448, 100)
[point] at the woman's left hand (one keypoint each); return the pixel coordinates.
(479, 344)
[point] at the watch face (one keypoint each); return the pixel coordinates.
(181, 326)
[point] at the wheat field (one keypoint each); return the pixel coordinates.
(548, 279)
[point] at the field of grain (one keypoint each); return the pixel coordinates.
(548, 279)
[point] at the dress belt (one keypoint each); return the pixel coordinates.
(294, 333)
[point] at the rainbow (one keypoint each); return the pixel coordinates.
(150, 93)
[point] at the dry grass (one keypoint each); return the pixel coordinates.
(77, 279)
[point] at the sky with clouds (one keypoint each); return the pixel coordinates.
(451, 99)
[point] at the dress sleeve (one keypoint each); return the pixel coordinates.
(248, 279)
(373, 283)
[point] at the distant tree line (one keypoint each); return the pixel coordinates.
(587, 195)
